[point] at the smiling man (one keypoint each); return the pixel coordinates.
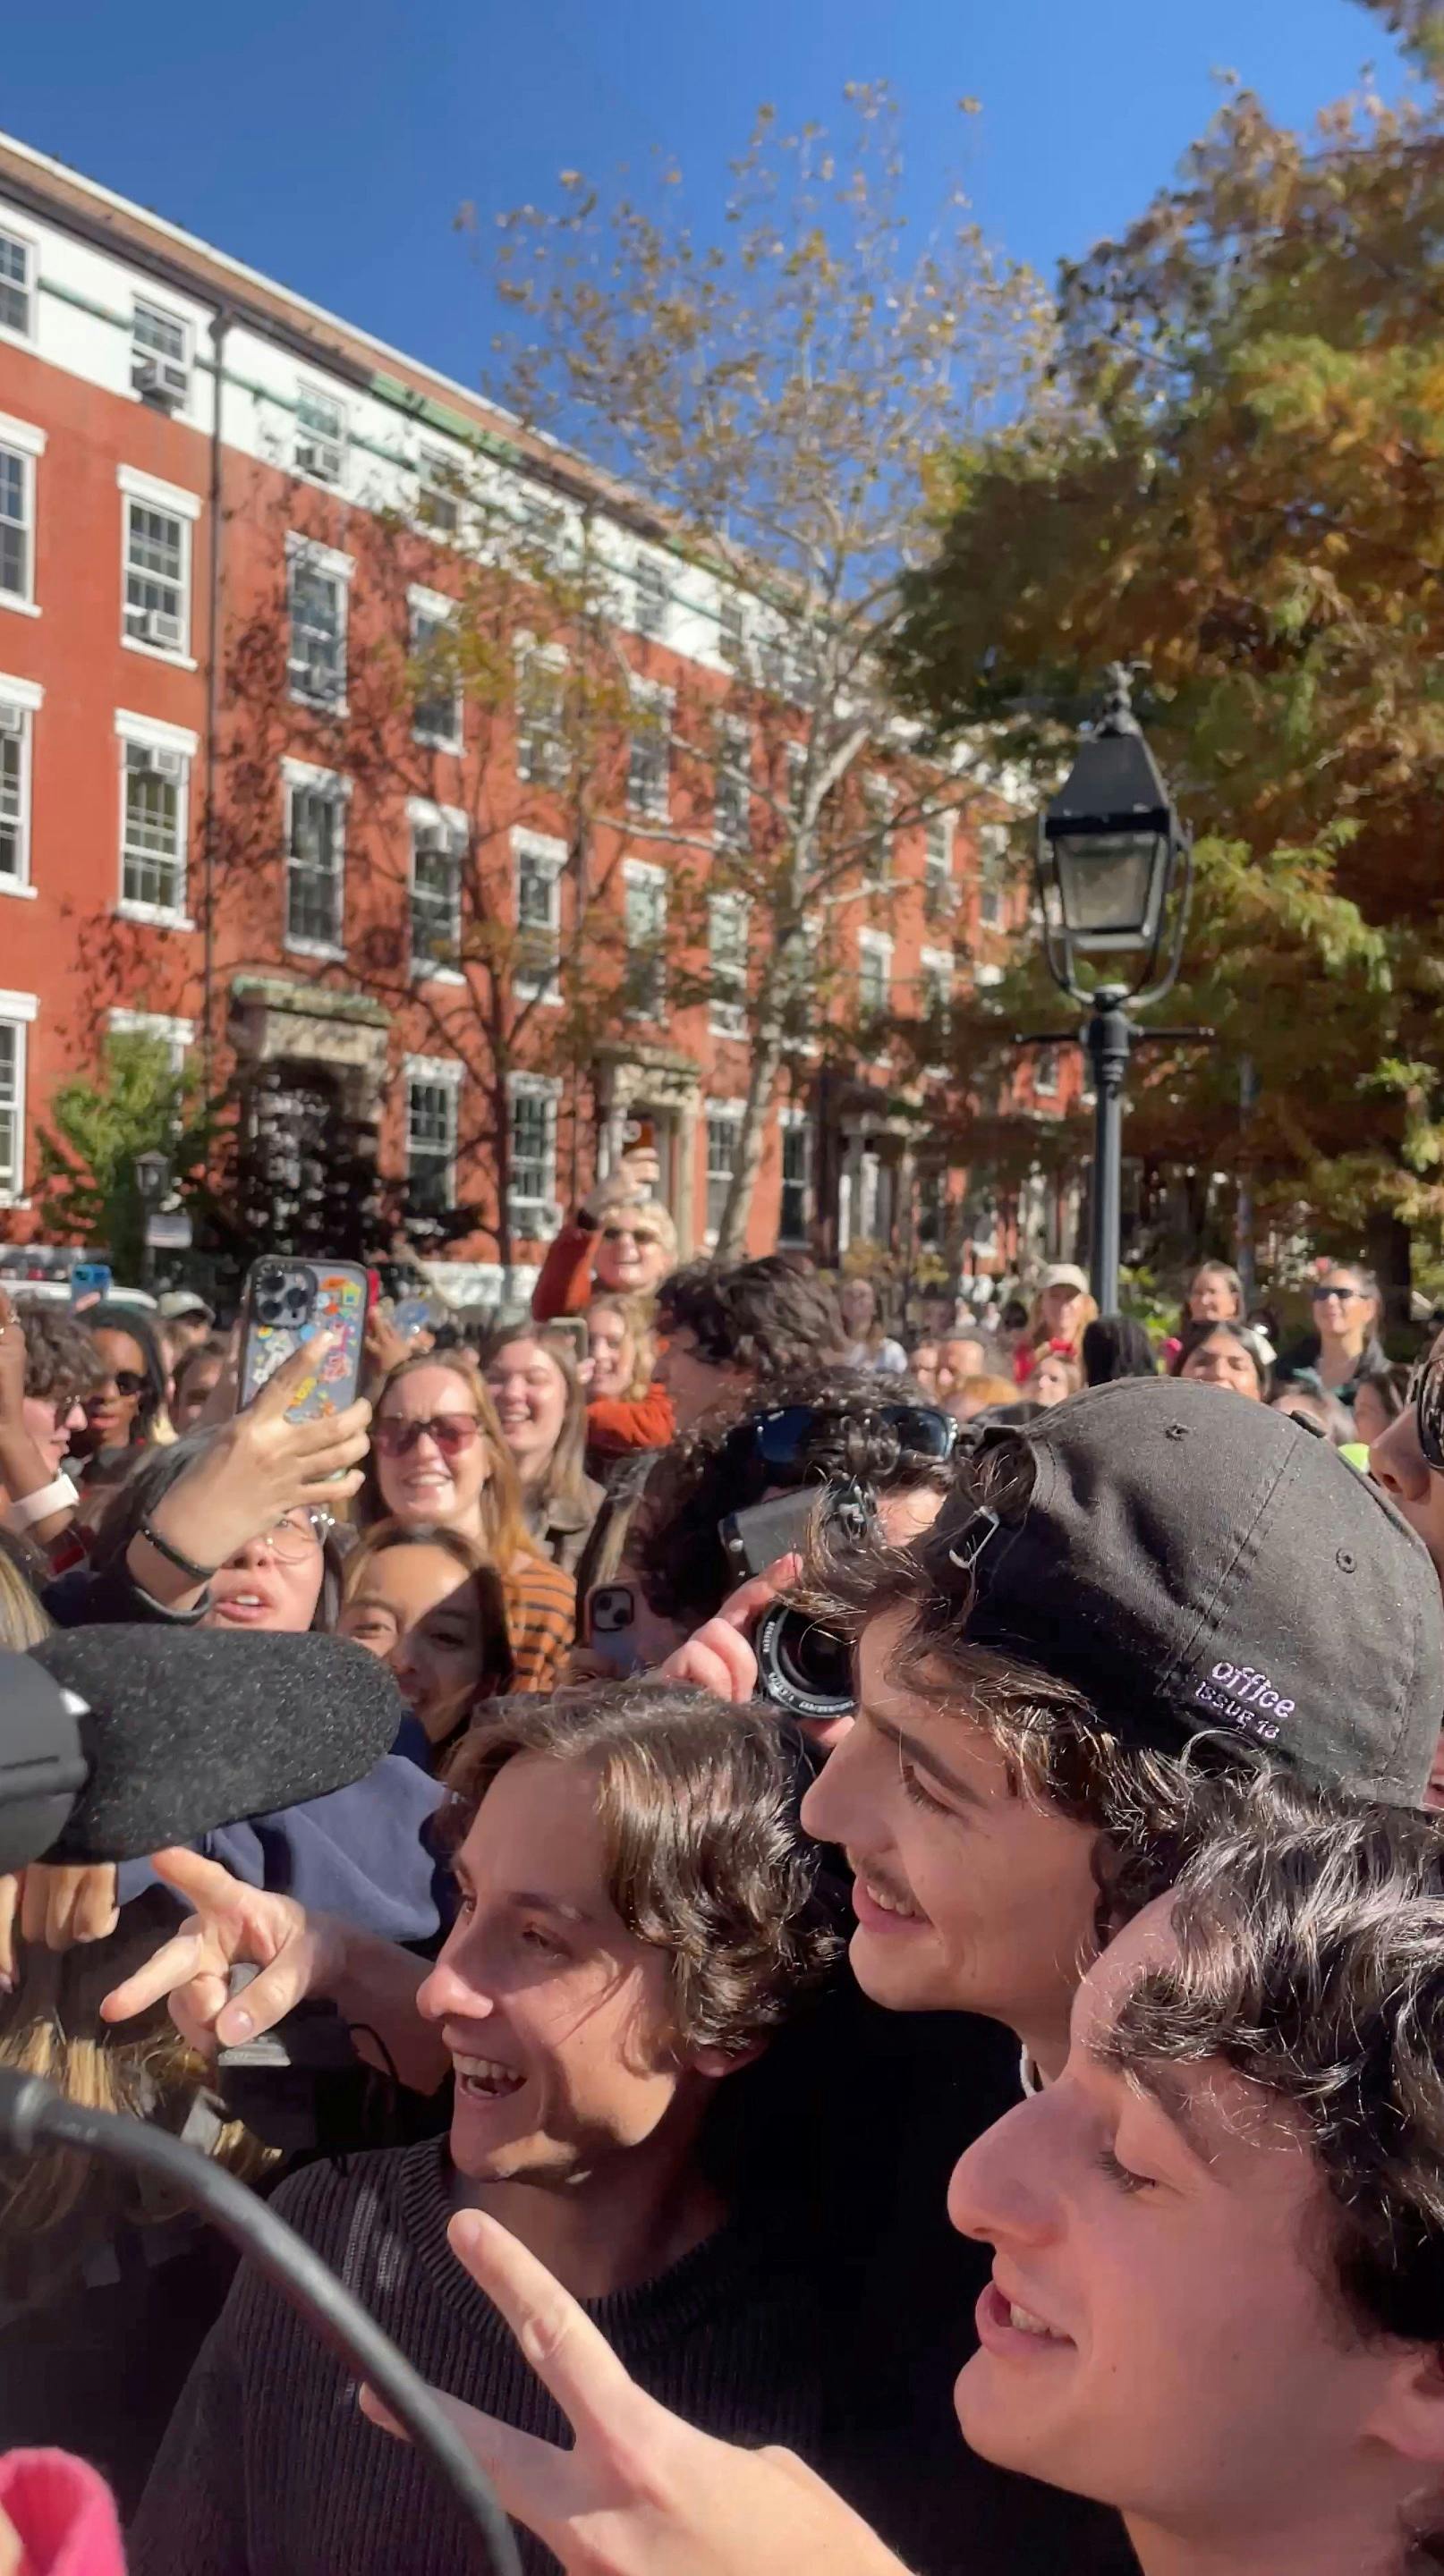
(637, 1918)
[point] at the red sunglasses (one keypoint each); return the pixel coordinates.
(395, 1433)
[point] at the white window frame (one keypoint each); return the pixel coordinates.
(543, 755)
(938, 835)
(649, 796)
(549, 857)
(533, 1216)
(304, 552)
(22, 439)
(651, 598)
(330, 479)
(22, 699)
(439, 1073)
(732, 759)
(795, 762)
(873, 947)
(303, 775)
(937, 968)
(424, 816)
(794, 1120)
(178, 1034)
(147, 733)
(1047, 1059)
(433, 469)
(993, 841)
(179, 368)
(17, 1011)
(438, 608)
(30, 286)
(646, 876)
(146, 492)
(879, 805)
(732, 626)
(721, 1113)
(727, 1010)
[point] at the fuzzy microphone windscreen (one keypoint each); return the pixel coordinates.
(184, 1729)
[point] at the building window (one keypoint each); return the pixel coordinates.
(17, 285)
(533, 1152)
(17, 524)
(436, 711)
(18, 702)
(539, 526)
(645, 903)
(315, 860)
(874, 971)
(877, 808)
(159, 357)
(794, 1221)
(432, 1094)
(992, 876)
(320, 436)
(935, 997)
(177, 1036)
(732, 784)
(651, 596)
(1045, 1073)
(727, 963)
(539, 866)
(724, 1130)
(440, 497)
(317, 585)
(649, 759)
(438, 844)
(938, 865)
(16, 1010)
(153, 831)
(542, 755)
(157, 578)
(732, 631)
(796, 756)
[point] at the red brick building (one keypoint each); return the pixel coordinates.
(228, 815)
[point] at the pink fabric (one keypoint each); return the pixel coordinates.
(63, 2513)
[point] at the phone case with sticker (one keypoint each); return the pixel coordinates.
(285, 1302)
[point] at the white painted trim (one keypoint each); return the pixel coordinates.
(19, 1006)
(155, 735)
(162, 915)
(432, 603)
(27, 694)
(434, 1068)
(158, 653)
(20, 607)
(304, 773)
(423, 809)
(125, 1023)
(320, 558)
(22, 434)
(158, 495)
(538, 845)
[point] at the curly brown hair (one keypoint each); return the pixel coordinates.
(766, 1316)
(706, 1859)
(62, 1365)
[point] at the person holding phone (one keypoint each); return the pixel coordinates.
(619, 1237)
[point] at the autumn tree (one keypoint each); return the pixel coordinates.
(1236, 481)
(137, 1104)
(771, 396)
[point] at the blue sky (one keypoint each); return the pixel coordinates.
(331, 145)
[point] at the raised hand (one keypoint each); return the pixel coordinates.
(640, 2493)
(718, 1656)
(297, 1953)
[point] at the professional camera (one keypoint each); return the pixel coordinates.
(802, 1666)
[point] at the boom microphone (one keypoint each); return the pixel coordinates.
(115, 1741)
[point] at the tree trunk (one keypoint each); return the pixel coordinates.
(761, 1082)
(1390, 1250)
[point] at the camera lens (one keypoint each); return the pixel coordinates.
(802, 1666)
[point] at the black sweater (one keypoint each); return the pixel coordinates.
(270, 2469)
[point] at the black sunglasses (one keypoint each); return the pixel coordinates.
(1426, 1394)
(782, 1439)
(127, 1382)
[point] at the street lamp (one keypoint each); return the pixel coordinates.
(152, 1180)
(1114, 876)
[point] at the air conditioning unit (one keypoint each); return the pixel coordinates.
(159, 764)
(158, 627)
(161, 381)
(324, 459)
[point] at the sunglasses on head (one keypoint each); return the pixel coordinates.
(781, 1440)
(395, 1433)
(125, 1382)
(1426, 1394)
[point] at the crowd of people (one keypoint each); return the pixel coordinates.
(986, 2116)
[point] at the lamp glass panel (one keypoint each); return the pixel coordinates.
(1110, 884)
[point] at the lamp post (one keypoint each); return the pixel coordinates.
(1114, 876)
(152, 1180)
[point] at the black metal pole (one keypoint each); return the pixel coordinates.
(1109, 1039)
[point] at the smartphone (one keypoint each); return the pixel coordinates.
(89, 1279)
(283, 1302)
(639, 1135)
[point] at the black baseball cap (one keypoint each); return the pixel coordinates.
(1197, 1564)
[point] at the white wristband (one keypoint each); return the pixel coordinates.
(30, 1508)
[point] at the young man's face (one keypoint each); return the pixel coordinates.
(1397, 1462)
(1181, 2357)
(969, 1898)
(694, 1382)
(557, 2018)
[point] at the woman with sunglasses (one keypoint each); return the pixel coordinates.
(438, 1455)
(1344, 1345)
(620, 1238)
(127, 1409)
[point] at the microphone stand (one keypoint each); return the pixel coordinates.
(31, 2111)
